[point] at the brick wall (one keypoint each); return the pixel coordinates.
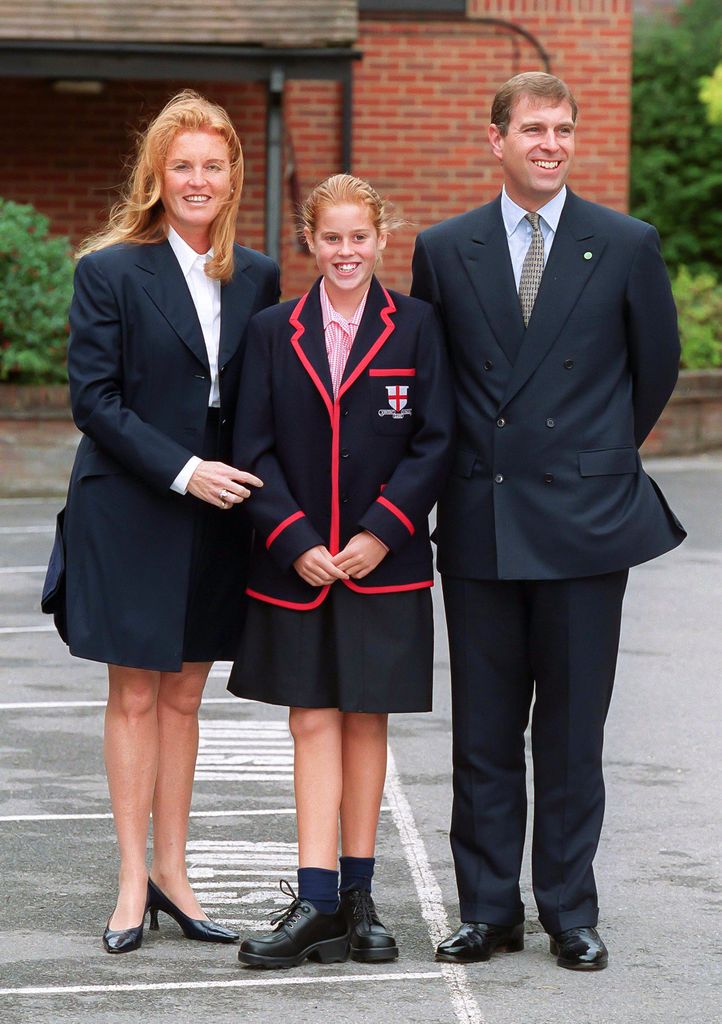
(421, 99)
(65, 153)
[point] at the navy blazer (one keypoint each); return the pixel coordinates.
(139, 388)
(374, 458)
(547, 482)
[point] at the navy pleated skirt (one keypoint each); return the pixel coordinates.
(355, 652)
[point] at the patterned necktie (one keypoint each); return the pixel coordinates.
(532, 268)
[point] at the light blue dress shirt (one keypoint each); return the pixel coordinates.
(519, 231)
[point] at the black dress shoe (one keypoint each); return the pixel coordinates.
(193, 928)
(475, 942)
(125, 940)
(579, 949)
(301, 933)
(370, 941)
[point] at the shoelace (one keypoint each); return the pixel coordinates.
(290, 913)
(363, 908)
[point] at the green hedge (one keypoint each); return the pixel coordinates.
(36, 285)
(699, 305)
(676, 158)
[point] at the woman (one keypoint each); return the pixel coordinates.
(346, 414)
(154, 543)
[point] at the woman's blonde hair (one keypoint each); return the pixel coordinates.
(139, 216)
(345, 188)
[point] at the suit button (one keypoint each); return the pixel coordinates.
(498, 479)
(488, 365)
(222, 369)
(345, 499)
(223, 422)
(501, 422)
(568, 364)
(344, 412)
(345, 453)
(550, 422)
(548, 478)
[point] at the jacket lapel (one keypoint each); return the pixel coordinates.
(237, 298)
(309, 341)
(374, 330)
(486, 260)
(167, 289)
(567, 272)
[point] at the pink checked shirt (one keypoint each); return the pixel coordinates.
(339, 333)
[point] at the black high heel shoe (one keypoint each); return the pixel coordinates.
(203, 931)
(124, 940)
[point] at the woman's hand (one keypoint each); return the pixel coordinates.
(221, 485)
(361, 555)
(316, 567)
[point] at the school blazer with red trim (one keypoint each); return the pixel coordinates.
(375, 458)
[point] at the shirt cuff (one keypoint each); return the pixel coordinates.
(180, 484)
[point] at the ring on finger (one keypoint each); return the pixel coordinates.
(223, 494)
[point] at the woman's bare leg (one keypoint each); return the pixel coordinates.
(364, 773)
(317, 774)
(179, 697)
(131, 761)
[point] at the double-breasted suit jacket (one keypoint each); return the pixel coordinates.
(546, 481)
(373, 458)
(139, 385)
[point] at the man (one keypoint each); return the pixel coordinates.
(562, 333)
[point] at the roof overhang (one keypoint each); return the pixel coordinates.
(159, 61)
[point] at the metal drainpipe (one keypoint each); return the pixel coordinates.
(274, 163)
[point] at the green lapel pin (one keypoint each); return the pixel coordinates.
(587, 255)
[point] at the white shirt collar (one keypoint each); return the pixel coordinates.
(513, 214)
(185, 255)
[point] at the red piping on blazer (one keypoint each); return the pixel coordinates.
(296, 606)
(395, 510)
(282, 526)
(334, 412)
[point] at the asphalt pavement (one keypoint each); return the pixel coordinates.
(657, 867)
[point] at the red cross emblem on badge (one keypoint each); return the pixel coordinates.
(398, 395)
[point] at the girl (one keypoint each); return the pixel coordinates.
(346, 414)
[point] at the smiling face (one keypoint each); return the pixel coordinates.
(537, 151)
(196, 184)
(347, 247)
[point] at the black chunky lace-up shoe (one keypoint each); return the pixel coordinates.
(301, 933)
(370, 941)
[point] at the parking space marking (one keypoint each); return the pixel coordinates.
(428, 890)
(241, 875)
(41, 705)
(268, 812)
(233, 750)
(329, 979)
(27, 629)
(27, 529)
(17, 570)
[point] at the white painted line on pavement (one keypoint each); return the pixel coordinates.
(27, 629)
(263, 812)
(49, 528)
(13, 570)
(49, 704)
(160, 986)
(233, 750)
(428, 890)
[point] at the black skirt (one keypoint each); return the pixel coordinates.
(355, 652)
(208, 634)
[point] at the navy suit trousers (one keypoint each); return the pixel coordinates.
(556, 642)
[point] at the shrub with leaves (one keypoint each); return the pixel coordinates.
(699, 305)
(676, 167)
(36, 285)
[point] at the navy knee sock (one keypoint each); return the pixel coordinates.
(319, 887)
(356, 873)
